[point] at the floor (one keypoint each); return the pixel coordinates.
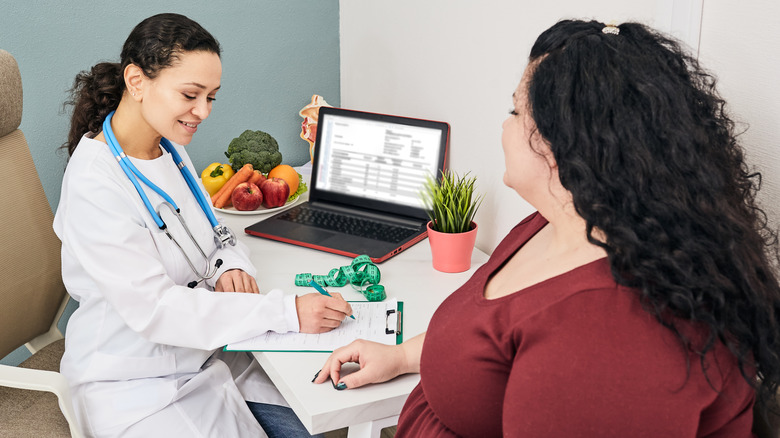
(388, 432)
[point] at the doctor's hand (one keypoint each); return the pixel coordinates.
(319, 313)
(236, 280)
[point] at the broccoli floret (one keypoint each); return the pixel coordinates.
(255, 147)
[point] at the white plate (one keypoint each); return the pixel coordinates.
(260, 210)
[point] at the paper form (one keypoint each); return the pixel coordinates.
(370, 323)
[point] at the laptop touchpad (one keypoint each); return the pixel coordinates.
(312, 235)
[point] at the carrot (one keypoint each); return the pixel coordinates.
(222, 197)
(256, 177)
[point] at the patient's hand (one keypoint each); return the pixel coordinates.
(236, 280)
(378, 363)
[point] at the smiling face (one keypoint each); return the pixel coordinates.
(180, 97)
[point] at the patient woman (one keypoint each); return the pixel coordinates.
(639, 300)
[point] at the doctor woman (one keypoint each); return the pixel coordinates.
(142, 352)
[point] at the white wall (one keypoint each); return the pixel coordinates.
(740, 43)
(459, 61)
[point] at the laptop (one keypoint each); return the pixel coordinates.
(367, 174)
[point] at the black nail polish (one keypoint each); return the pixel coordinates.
(341, 386)
(315, 376)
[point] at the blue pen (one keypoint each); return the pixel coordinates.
(319, 288)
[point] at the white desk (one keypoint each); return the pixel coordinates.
(409, 277)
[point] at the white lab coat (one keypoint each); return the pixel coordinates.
(142, 351)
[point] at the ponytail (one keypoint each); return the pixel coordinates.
(95, 93)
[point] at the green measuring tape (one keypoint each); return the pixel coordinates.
(362, 274)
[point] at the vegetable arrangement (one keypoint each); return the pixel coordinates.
(223, 189)
(254, 177)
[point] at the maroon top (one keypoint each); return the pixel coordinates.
(574, 355)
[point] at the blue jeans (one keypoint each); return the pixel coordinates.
(279, 421)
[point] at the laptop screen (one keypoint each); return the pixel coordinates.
(377, 158)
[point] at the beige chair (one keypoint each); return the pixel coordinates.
(34, 397)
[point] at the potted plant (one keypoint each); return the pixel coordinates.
(451, 204)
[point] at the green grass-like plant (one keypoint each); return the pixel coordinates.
(451, 202)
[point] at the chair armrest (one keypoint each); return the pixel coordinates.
(40, 380)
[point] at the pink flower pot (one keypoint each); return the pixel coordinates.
(452, 251)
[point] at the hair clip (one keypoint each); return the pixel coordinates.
(611, 29)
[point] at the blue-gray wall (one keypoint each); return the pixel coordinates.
(276, 54)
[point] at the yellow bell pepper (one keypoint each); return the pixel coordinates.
(215, 176)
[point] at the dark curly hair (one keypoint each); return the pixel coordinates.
(153, 45)
(644, 145)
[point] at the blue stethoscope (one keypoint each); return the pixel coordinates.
(222, 234)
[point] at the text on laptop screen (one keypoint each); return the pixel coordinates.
(376, 160)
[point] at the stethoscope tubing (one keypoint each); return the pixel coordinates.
(221, 233)
(132, 172)
(194, 188)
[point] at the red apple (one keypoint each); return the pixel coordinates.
(275, 192)
(246, 197)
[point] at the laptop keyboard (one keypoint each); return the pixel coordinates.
(347, 224)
